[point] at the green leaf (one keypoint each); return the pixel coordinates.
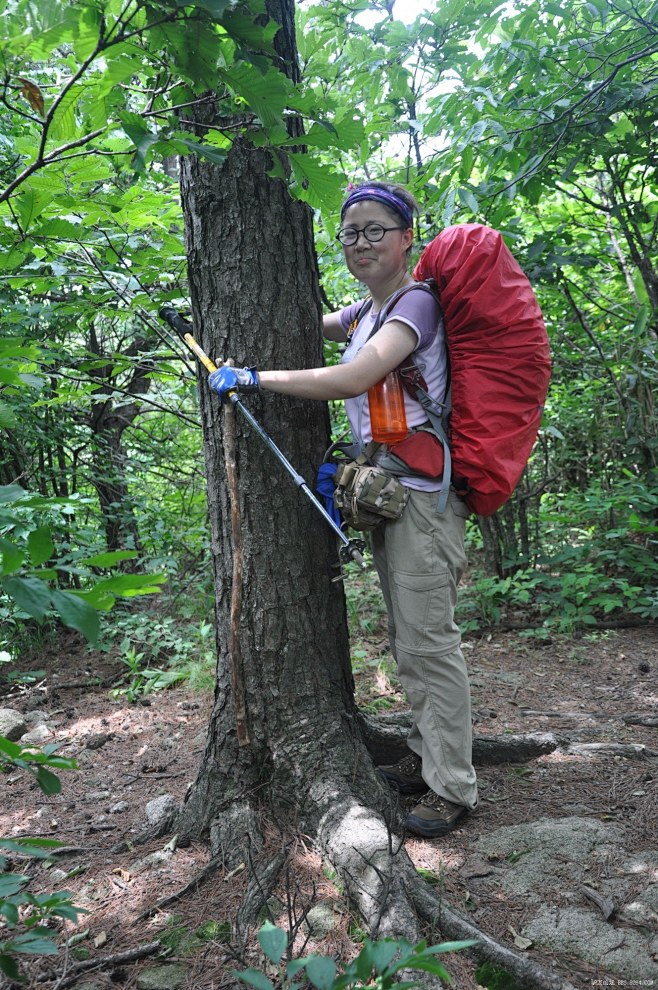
(8, 966)
(9, 748)
(34, 846)
(383, 952)
(315, 182)
(40, 545)
(30, 594)
(108, 559)
(208, 151)
(9, 910)
(364, 961)
(427, 965)
(452, 946)
(273, 941)
(29, 204)
(77, 614)
(266, 94)
(215, 8)
(294, 966)
(48, 782)
(7, 417)
(37, 943)
(128, 585)
(140, 135)
(11, 883)
(11, 558)
(245, 28)
(64, 125)
(641, 320)
(321, 971)
(469, 200)
(254, 978)
(11, 493)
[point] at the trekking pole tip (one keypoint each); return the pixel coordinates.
(353, 550)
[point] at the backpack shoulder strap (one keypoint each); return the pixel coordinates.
(416, 386)
(428, 286)
(363, 309)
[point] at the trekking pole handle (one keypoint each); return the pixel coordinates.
(175, 320)
(183, 328)
(202, 356)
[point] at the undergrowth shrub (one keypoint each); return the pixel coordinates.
(377, 964)
(27, 916)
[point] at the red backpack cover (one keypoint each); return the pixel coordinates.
(499, 360)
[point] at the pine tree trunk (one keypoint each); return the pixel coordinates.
(255, 297)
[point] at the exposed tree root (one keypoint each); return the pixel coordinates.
(235, 835)
(263, 878)
(386, 739)
(630, 718)
(368, 858)
(503, 627)
(493, 750)
(373, 865)
(119, 958)
(632, 751)
(208, 870)
(150, 834)
(527, 973)
(379, 878)
(382, 883)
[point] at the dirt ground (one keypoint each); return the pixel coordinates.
(590, 689)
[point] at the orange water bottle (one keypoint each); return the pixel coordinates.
(387, 416)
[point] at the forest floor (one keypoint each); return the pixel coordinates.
(588, 689)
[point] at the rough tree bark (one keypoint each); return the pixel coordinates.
(108, 420)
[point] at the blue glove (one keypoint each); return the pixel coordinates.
(227, 379)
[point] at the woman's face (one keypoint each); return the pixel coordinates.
(382, 260)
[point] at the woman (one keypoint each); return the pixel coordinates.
(420, 556)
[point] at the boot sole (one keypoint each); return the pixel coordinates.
(427, 830)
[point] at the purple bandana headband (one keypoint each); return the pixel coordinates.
(381, 196)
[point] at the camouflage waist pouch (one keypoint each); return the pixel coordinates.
(366, 495)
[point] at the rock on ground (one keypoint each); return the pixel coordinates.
(551, 863)
(12, 724)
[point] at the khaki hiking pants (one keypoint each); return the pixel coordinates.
(420, 559)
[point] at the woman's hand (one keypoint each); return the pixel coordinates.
(228, 379)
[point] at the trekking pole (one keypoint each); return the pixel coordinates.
(351, 549)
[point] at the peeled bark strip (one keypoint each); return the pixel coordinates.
(234, 655)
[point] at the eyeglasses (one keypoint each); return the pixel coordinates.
(372, 232)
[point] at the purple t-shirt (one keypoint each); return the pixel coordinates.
(420, 311)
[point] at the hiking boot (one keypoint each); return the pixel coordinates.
(433, 816)
(405, 776)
